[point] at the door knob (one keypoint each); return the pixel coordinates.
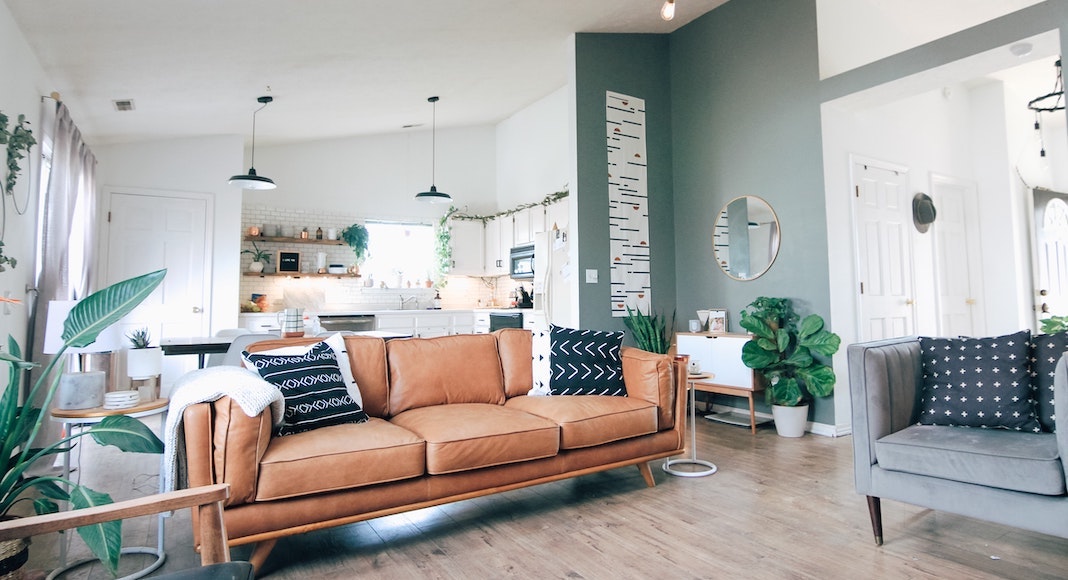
(969, 301)
(197, 310)
(1043, 292)
(1045, 307)
(909, 302)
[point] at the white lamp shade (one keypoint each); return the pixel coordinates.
(107, 341)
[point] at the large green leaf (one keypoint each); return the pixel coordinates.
(784, 391)
(103, 308)
(756, 325)
(799, 358)
(819, 379)
(755, 357)
(105, 539)
(127, 434)
(782, 340)
(813, 336)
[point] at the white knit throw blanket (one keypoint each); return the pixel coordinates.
(244, 386)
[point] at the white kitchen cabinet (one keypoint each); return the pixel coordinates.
(537, 220)
(521, 232)
(499, 237)
(402, 323)
(462, 323)
(259, 322)
(468, 247)
(557, 214)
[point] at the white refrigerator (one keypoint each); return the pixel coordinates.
(552, 278)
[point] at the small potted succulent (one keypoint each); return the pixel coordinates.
(259, 258)
(143, 360)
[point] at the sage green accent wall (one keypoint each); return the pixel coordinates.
(746, 121)
(635, 65)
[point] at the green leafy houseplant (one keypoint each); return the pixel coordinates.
(20, 423)
(18, 140)
(782, 350)
(443, 247)
(258, 255)
(6, 259)
(652, 332)
(356, 237)
(1054, 324)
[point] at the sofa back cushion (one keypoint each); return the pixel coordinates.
(464, 368)
(515, 345)
(366, 359)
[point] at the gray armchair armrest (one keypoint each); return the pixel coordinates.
(885, 378)
(1060, 401)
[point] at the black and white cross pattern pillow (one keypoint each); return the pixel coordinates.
(978, 382)
(585, 362)
(539, 355)
(313, 388)
(1046, 350)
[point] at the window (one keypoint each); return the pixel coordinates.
(400, 253)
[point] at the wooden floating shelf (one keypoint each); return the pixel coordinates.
(283, 240)
(299, 275)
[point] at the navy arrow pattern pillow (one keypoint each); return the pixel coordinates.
(978, 382)
(313, 388)
(1046, 350)
(585, 362)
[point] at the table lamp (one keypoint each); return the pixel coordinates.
(77, 390)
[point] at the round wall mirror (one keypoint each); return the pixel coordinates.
(745, 239)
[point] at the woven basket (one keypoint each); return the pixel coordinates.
(13, 556)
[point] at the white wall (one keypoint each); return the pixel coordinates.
(24, 82)
(198, 165)
(378, 176)
(533, 155)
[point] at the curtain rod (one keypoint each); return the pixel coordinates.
(54, 96)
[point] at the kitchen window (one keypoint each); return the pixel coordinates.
(401, 254)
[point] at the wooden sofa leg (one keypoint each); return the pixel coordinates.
(647, 473)
(875, 510)
(259, 555)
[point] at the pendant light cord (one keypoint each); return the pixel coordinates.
(434, 141)
(266, 101)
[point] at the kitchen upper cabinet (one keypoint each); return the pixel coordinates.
(499, 237)
(468, 248)
(557, 214)
(528, 222)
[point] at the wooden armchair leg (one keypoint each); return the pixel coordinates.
(875, 510)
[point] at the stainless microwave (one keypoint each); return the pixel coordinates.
(521, 262)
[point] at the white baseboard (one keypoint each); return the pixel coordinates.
(813, 427)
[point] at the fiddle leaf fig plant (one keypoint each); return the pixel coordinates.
(783, 351)
(20, 422)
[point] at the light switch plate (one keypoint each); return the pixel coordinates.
(591, 276)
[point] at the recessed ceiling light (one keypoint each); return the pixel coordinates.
(1021, 49)
(123, 105)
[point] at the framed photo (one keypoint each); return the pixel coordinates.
(289, 261)
(717, 320)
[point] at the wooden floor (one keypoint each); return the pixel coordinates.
(777, 508)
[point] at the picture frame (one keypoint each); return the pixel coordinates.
(288, 262)
(717, 321)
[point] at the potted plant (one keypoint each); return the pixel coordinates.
(259, 258)
(143, 361)
(782, 351)
(356, 237)
(652, 333)
(20, 422)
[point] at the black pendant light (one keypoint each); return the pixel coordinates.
(251, 180)
(433, 196)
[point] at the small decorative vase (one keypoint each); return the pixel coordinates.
(354, 269)
(790, 421)
(142, 363)
(256, 267)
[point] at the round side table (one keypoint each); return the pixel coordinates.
(700, 468)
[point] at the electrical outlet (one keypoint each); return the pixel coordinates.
(591, 276)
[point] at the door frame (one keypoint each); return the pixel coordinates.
(104, 241)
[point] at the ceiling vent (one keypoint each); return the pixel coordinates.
(123, 105)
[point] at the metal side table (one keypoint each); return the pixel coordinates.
(701, 468)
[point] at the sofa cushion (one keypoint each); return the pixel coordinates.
(339, 457)
(461, 437)
(586, 421)
(585, 362)
(313, 387)
(978, 382)
(514, 345)
(1046, 350)
(463, 368)
(1027, 462)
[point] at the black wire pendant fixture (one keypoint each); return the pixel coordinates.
(433, 196)
(1048, 103)
(251, 180)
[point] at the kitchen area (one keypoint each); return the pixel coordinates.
(508, 270)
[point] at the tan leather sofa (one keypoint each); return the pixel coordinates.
(450, 420)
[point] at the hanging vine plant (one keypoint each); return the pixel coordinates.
(18, 140)
(443, 247)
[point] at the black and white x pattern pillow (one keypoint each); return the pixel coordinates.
(313, 388)
(585, 362)
(1046, 350)
(978, 382)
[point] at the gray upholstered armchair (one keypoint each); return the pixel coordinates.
(1016, 478)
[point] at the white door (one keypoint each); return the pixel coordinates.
(152, 230)
(882, 212)
(1051, 253)
(958, 265)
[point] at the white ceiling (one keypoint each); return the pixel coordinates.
(336, 68)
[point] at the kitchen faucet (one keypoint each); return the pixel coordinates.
(406, 299)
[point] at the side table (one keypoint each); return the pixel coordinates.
(703, 467)
(80, 418)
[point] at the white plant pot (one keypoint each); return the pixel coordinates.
(790, 421)
(255, 267)
(142, 363)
